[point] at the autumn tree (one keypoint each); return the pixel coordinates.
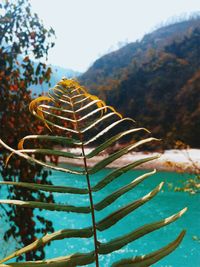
(23, 38)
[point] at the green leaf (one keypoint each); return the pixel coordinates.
(120, 242)
(149, 259)
(114, 217)
(77, 259)
(96, 101)
(110, 141)
(33, 160)
(115, 195)
(47, 188)
(58, 139)
(47, 152)
(61, 234)
(116, 173)
(105, 162)
(94, 112)
(107, 129)
(95, 123)
(46, 206)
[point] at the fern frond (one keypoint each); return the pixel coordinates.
(84, 120)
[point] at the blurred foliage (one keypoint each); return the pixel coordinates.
(159, 78)
(23, 38)
(192, 184)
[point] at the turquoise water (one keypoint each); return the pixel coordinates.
(163, 205)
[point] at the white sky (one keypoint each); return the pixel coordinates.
(87, 29)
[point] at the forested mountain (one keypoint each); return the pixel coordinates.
(156, 81)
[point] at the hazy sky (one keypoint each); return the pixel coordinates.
(87, 29)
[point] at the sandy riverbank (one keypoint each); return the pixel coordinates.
(170, 160)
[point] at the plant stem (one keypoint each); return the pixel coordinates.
(89, 189)
(92, 208)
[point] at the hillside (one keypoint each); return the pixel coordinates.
(156, 81)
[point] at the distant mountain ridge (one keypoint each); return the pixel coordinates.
(156, 81)
(111, 65)
(57, 74)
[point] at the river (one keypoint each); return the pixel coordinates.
(163, 205)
